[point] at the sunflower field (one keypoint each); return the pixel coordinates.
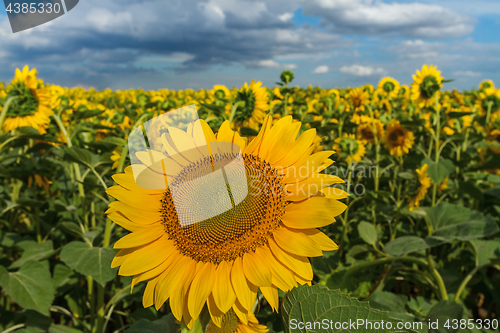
(392, 218)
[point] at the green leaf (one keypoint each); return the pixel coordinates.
(61, 274)
(72, 228)
(90, 261)
(247, 131)
(439, 171)
(62, 329)
(486, 251)
(87, 114)
(459, 114)
(82, 156)
(31, 287)
(406, 175)
(440, 313)
(33, 251)
(386, 301)
(368, 233)
(408, 244)
(319, 305)
(471, 189)
(28, 131)
(451, 222)
(162, 325)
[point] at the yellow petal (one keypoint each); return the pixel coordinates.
(282, 277)
(215, 313)
(141, 237)
(223, 293)
(271, 295)
(297, 264)
(256, 271)
(296, 242)
(245, 291)
(200, 288)
(149, 292)
(321, 239)
(148, 257)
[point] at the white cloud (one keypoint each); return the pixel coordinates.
(366, 17)
(320, 69)
(358, 70)
(285, 17)
(467, 73)
(269, 63)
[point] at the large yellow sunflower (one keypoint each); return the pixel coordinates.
(425, 183)
(398, 139)
(262, 243)
(256, 104)
(426, 85)
(388, 87)
(31, 105)
(349, 148)
(232, 324)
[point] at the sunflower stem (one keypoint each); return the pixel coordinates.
(488, 112)
(76, 168)
(233, 111)
(466, 281)
(438, 150)
(439, 280)
(377, 150)
(285, 103)
(381, 261)
(123, 156)
(5, 110)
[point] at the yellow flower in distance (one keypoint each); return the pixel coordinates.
(256, 104)
(232, 324)
(486, 84)
(262, 243)
(32, 104)
(489, 98)
(357, 98)
(349, 148)
(388, 87)
(398, 139)
(366, 133)
(425, 183)
(426, 85)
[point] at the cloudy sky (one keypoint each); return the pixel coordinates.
(179, 44)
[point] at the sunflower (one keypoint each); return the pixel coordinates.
(486, 84)
(426, 85)
(32, 104)
(388, 87)
(366, 133)
(357, 98)
(425, 183)
(221, 91)
(261, 243)
(256, 104)
(277, 93)
(349, 148)
(230, 323)
(398, 139)
(489, 98)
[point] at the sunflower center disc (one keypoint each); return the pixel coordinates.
(397, 137)
(237, 231)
